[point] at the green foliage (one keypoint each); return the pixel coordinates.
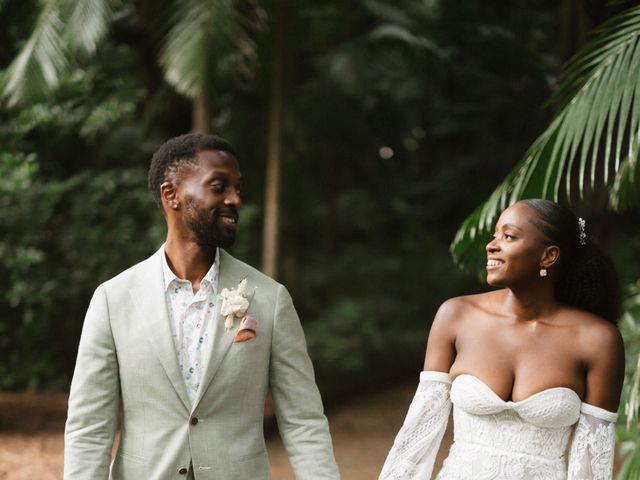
(373, 308)
(630, 326)
(631, 466)
(205, 36)
(196, 39)
(58, 244)
(63, 29)
(625, 194)
(629, 435)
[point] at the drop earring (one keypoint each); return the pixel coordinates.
(543, 272)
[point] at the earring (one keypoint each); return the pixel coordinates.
(543, 272)
(174, 205)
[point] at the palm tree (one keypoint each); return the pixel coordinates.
(197, 37)
(591, 144)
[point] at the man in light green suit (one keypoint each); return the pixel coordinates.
(187, 344)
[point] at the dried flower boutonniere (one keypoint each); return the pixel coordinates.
(234, 303)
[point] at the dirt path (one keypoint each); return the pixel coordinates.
(31, 427)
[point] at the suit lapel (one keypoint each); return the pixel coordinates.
(229, 276)
(151, 308)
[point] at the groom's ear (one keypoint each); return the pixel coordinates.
(169, 196)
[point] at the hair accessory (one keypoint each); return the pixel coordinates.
(543, 272)
(582, 224)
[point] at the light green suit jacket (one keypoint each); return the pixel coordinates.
(127, 359)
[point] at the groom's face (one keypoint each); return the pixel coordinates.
(209, 195)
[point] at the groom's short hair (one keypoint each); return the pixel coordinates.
(177, 152)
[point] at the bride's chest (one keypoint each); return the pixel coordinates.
(516, 364)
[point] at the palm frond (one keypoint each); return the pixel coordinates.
(41, 61)
(88, 23)
(63, 27)
(595, 128)
(631, 468)
(202, 31)
(625, 193)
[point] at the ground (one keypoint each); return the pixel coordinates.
(362, 429)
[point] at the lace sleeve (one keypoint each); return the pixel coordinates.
(593, 445)
(416, 445)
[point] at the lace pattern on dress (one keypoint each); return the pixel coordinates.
(416, 445)
(593, 446)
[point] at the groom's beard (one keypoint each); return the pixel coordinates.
(208, 228)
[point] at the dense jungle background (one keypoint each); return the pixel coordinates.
(367, 132)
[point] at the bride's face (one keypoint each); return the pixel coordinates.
(515, 253)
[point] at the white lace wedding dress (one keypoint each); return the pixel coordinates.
(495, 439)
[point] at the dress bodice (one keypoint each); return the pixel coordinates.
(551, 408)
(510, 440)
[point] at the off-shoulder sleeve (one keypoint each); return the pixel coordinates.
(416, 445)
(593, 445)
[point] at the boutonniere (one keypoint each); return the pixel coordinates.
(234, 303)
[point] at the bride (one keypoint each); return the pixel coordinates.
(534, 370)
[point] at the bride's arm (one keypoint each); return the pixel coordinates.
(416, 445)
(593, 445)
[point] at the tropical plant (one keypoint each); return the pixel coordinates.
(628, 435)
(197, 37)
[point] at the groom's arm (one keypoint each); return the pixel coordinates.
(94, 398)
(298, 407)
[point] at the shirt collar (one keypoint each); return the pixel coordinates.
(210, 277)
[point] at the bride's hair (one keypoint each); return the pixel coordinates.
(585, 275)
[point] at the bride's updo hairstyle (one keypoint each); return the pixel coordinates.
(585, 276)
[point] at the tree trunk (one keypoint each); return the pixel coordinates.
(270, 234)
(201, 113)
(577, 21)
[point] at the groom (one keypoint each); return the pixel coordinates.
(188, 342)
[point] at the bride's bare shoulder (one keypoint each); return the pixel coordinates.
(452, 317)
(594, 335)
(459, 307)
(599, 345)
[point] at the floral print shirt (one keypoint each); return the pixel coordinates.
(191, 317)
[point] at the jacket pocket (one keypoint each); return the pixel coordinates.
(253, 465)
(125, 467)
(131, 456)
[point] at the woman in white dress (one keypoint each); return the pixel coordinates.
(533, 370)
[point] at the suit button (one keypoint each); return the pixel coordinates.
(183, 471)
(194, 421)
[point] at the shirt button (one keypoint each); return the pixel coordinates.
(194, 421)
(183, 471)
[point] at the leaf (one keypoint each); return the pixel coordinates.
(202, 31)
(88, 23)
(63, 28)
(39, 64)
(397, 32)
(625, 193)
(631, 468)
